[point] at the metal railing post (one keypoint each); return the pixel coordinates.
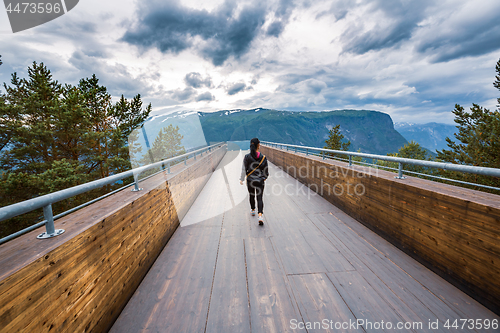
(168, 167)
(185, 159)
(136, 183)
(50, 230)
(400, 171)
(323, 154)
(350, 160)
(307, 152)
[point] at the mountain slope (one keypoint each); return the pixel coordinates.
(370, 131)
(430, 135)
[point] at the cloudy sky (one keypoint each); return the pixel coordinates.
(413, 59)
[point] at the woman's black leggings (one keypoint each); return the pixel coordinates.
(256, 188)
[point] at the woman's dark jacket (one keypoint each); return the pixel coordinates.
(250, 163)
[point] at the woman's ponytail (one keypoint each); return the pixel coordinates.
(253, 147)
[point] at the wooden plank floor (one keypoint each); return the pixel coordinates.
(309, 268)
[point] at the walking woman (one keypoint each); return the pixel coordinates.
(256, 170)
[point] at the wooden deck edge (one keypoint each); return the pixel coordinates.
(81, 280)
(453, 231)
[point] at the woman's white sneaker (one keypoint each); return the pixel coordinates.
(252, 212)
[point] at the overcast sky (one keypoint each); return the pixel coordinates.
(411, 59)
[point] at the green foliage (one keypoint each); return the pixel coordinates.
(55, 136)
(478, 136)
(478, 143)
(167, 144)
(478, 140)
(358, 159)
(496, 83)
(336, 141)
(5, 118)
(411, 150)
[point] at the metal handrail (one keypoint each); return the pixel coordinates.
(47, 200)
(430, 164)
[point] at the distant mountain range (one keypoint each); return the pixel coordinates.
(431, 135)
(370, 131)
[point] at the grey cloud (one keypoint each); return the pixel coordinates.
(96, 52)
(206, 96)
(116, 77)
(236, 88)
(292, 78)
(17, 57)
(80, 30)
(77, 28)
(282, 16)
(400, 19)
(338, 9)
(295, 83)
(275, 29)
(237, 38)
(462, 40)
(285, 8)
(170, 27)
(195, 80)
(316, 86)
(183, 95)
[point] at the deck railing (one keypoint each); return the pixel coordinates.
(47, 200)
(401, 162)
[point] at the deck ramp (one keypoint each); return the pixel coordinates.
(310, 262)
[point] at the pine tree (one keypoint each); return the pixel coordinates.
(98, 106)
(167, 144)
(29, 147)
(5, 119)
(412, 150)
(53, 137)
(478, 140)
(31, 108)
(336, 141)
(125, 117)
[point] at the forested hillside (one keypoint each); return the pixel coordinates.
(370, 131)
